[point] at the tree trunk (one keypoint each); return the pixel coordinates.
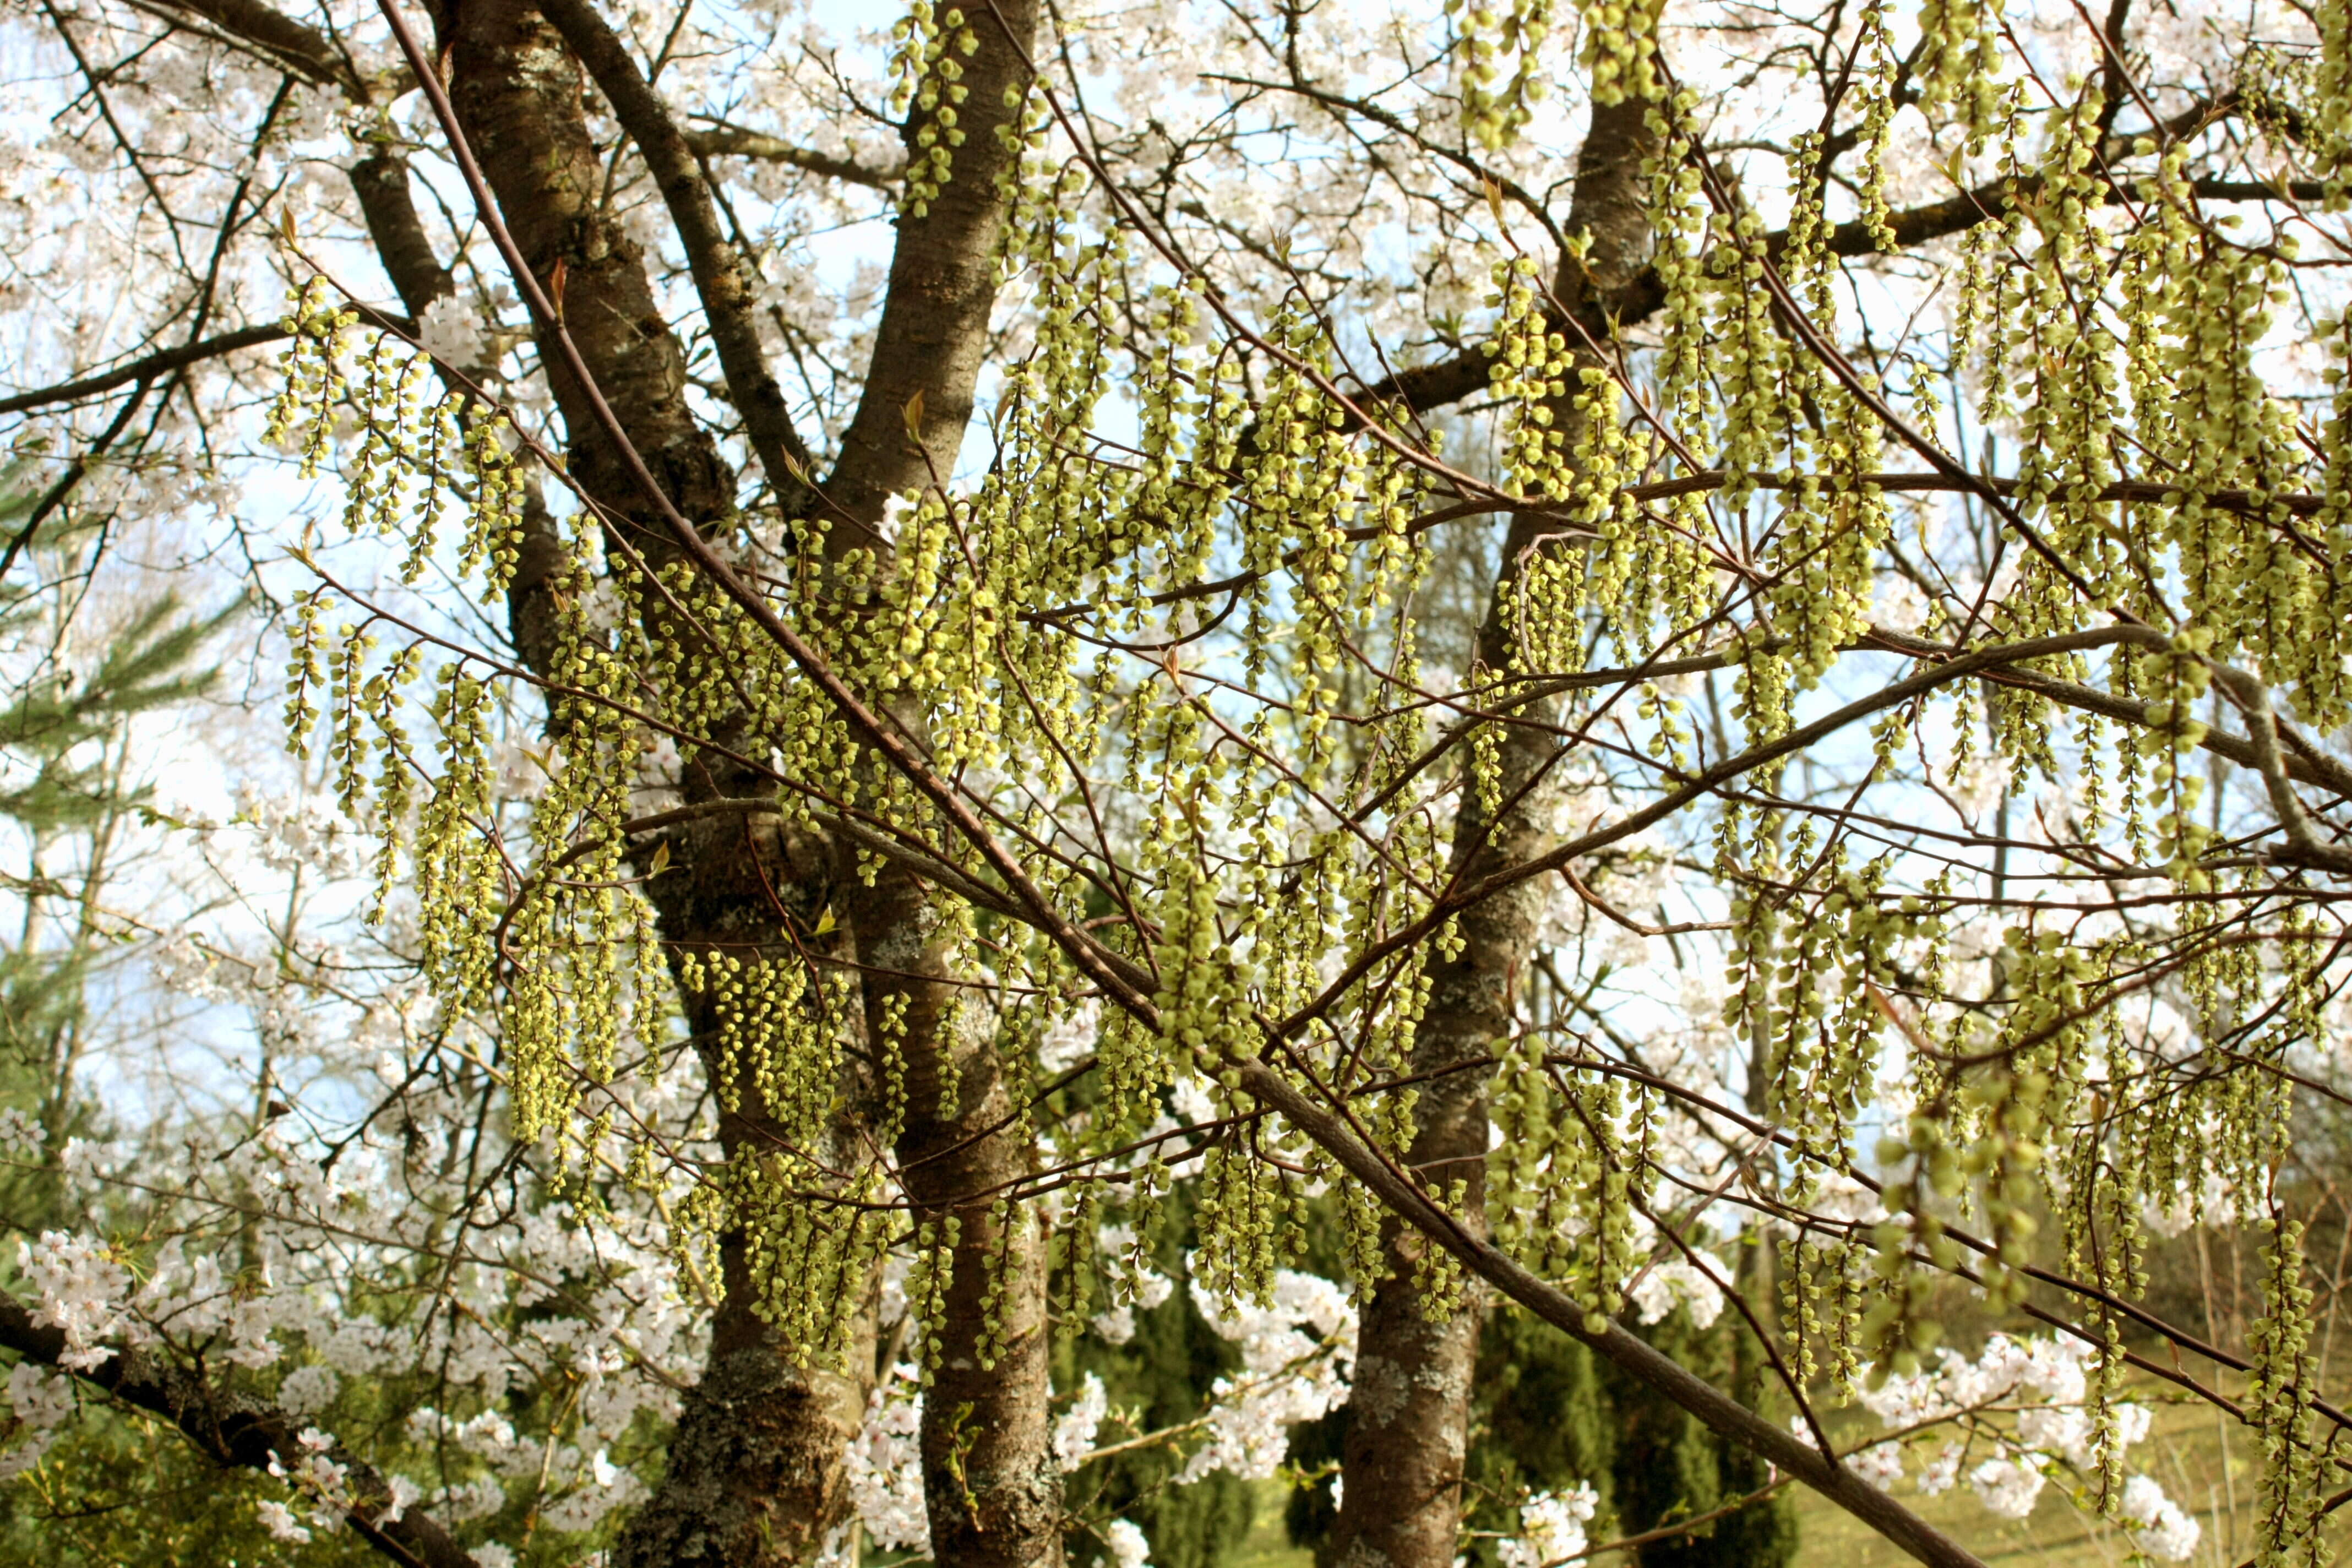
(992, 1485)
(755, 1478)
(1408, 1428)
(755, 1472)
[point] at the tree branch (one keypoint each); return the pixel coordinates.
(304, 50)
(721, 276)
(1424, 387)
(2301, 761)
(54, 496)
(725, 141)
(236, 1432)
(2262, 743)
(148, 368)
(1880, 1512)
(1721, 1413)
(401, 247)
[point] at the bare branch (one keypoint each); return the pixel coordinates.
(147, 367)
(725, 141)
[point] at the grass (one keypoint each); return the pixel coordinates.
(2206, 1463)
(1268, 1545)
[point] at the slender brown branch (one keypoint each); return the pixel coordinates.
(724, 141)
(147, 367)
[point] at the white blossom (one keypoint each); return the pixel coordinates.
(1071, 1039)
(1941, 1472)
(307, 1389)
(2007, 1486)
(1189, 1096)
(280, 1520)
(1129, 1548)
(1551, 1527)
(1289, 1375)
(41, 1400)
(1135, 1285)
(476, 1499)
(884, 1465)
(2159, 1527)
(1901, 605)
(81, 1288)
(1678, 1282)
(1881, 1464)
(451, 331)
(1074, 1434)
(20, 1135)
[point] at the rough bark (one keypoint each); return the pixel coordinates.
(755, 1477)
(1408, 1428)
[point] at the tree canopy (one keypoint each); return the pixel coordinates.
(1356, 721)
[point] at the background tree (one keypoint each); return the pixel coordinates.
(72, 788)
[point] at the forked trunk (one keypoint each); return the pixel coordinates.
(755, 1474)
(1409, 1418)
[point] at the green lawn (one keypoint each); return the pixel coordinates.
(2204, 1461)
(1267, 1545)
